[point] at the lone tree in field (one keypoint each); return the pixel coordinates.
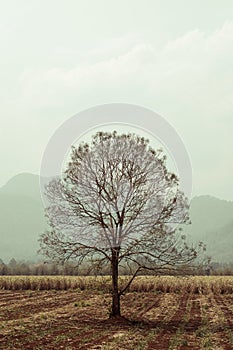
(117, 204)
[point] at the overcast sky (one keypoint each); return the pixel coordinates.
(59, 57)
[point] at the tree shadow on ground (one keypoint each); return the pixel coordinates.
(125, 323)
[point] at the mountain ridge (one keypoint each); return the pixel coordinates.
(21, 203)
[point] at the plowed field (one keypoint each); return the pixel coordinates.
(79, 320)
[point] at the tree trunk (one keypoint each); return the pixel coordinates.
(116, 311)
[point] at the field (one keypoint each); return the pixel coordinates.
(72, 313)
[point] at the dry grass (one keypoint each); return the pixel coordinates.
(161, 284)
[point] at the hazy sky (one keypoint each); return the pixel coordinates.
(59, 57)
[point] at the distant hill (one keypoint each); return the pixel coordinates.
(22, 220)
(212, 223)
(21, 217)
(24, 184)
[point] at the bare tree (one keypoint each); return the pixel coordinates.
(117, 204)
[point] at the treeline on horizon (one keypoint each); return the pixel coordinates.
(27, 268)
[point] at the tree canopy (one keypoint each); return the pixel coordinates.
(117, 203)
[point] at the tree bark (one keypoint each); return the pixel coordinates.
(116, 311)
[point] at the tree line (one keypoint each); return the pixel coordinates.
(29, 268)
(14, 268)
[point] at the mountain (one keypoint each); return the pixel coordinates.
(21, 217)
(212, 223)
(24, 184)
(22, 220)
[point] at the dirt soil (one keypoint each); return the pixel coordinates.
(39, 320)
